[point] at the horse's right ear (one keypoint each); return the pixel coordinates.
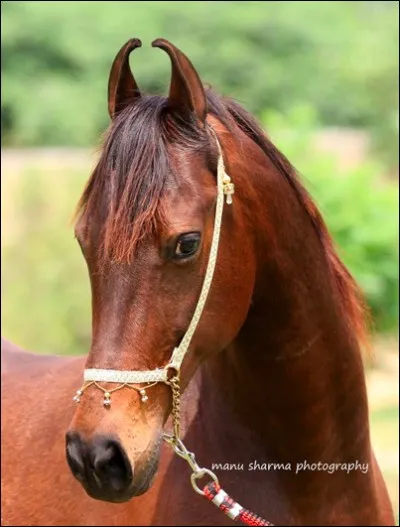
(122, 87)
(186, 93)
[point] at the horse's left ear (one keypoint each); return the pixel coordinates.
(186, 94)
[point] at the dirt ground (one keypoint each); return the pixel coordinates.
(383, 394)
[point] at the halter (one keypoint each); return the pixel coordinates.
(149, 378)
(130, 379)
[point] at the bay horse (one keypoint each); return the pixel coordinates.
(273, 388)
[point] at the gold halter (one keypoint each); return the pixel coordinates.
(146, 379)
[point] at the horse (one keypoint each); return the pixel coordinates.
(272, 390)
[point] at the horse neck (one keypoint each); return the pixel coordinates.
(294, 374)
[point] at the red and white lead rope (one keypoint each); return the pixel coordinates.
(214, 493)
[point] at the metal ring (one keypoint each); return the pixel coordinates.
(168, 369)
(200, 474)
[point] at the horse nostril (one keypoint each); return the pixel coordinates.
(101, 466)
(75, 453)
(111, 467)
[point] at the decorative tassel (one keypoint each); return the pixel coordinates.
(77, 397)
(107, 399)
(229, 189)
(143, 395)
(107, 394)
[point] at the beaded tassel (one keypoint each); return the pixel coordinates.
(107, 399)
(77, 397)
(143, 395)
(229, 189)
(107, 395)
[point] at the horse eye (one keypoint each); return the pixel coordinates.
(187, 245)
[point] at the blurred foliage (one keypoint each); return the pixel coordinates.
(46, 293)
(360, 209)
(340, 57)
(298, 66)
(45, 286)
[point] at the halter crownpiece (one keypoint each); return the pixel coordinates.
(129, 379)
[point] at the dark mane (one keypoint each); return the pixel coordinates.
(134, 169)
(352, 299)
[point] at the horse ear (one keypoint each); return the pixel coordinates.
(186, 94)
(122, 87)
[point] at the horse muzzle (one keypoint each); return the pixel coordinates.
(104, 469)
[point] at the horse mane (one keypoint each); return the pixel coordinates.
(134, 170)
(350, 294)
